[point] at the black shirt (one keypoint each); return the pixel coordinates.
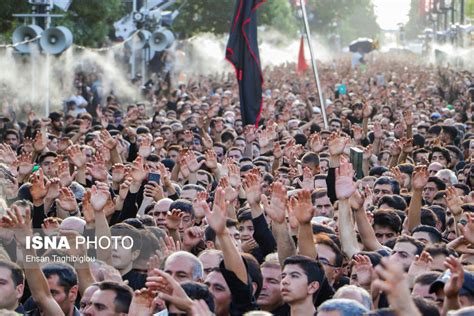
(136, 280)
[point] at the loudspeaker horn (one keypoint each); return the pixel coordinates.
(161, 39)
(56, 40)
(139, 40)
(24, 33)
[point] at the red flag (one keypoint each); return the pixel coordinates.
(302, 65)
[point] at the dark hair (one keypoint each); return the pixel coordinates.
(210, 234)
(184, 206)
(440, 185)
(123, 295)
(406, 168)
(323, 239)
(18, 277)
(66, 274)
(427, 278)
(434, 234)
(226, 136)
(300, 139)
(440, 249)
(443, 151)
(318, 229)
(198, 291)
(313, 269)
(46, 155)
(428, 217)
(310, 158)
(388, 219)
(426, 307)
(392, 182)
(393, 201)
(244, 216)
(123, 229)
(440, 213)
(152, 244)
(377, 171)
(463, 187)
(418, 244)
(253, 269)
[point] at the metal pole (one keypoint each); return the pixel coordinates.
(314, 65)
(134, 9)
(48, 23)
(462, 13)
(144, 61)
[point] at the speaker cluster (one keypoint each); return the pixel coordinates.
(53, 40)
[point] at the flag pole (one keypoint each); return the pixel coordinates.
(313, 63)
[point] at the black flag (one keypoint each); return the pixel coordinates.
(242, 53)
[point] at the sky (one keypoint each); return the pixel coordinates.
(391, 12)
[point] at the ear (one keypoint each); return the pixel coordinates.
(313, 287)
(135, 254)
(20, 288)
(73, 293)
(254, 288)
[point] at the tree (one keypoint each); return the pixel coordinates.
(416, 21)
(215, 16)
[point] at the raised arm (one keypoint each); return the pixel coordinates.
(345, 188)
(419, 180)
(36, 280)
(303, 210)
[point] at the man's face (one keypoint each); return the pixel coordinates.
(324, 207)
(240, 143)
(403, 253)
(186, 222)
(209, 262)
(294, 285)
(439, 157)
(11, 140)
(58, 124)
(102, 304)
(381, 190)
(234, 154)
(219, 153)
(429, 191)
(188, 194)
(167, 134)
(270, 296)
(424, 237)
(86, 298)
(64, 300)
(46, 166)
(423, 291)
(383, 233)
(327, 257)
(335, 126)
(221, 292)
(180, 268)
(10, 294)
(159, 213)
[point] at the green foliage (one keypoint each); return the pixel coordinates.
(215, 16)
(416, 23)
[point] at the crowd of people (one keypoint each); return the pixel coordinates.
(233, 219)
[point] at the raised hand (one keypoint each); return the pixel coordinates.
(154, 190)
(40, 142)
(336, 144)
(7, 154)
(77, 157)
(192, 236)
(158, 143)
(231, 194)
(301, 207)
(63, 174)
(84, 126)
(200, 204)
(210, 159)
(345, 186)
(142, 302)
(20, 225)
(38, 188)
(64, 144)
(87, 209)
(118, 173)
(453, 201)
(276, 208)
(395, 148)
(378, 133)
(50, 226)
(234, 175)
(169, 289)
(454, 284)
(173, 219)
(316, 143)
(362, 268)
(250, 134)
(97, 168)
(420, 265)
(308, 179)
(192, 163)
(419, 177)
(25, 164)
(408, 117)
(357, 131)
(124, 187)
(252, 187)
(67, 200)
(145, 147)
(53, 188)
(100, 194)
(218, 216)
(138, 172)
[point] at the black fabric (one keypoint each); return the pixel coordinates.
(242, 53)
(136, 280)
(243, 300)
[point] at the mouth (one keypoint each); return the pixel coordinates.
(284, 291)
